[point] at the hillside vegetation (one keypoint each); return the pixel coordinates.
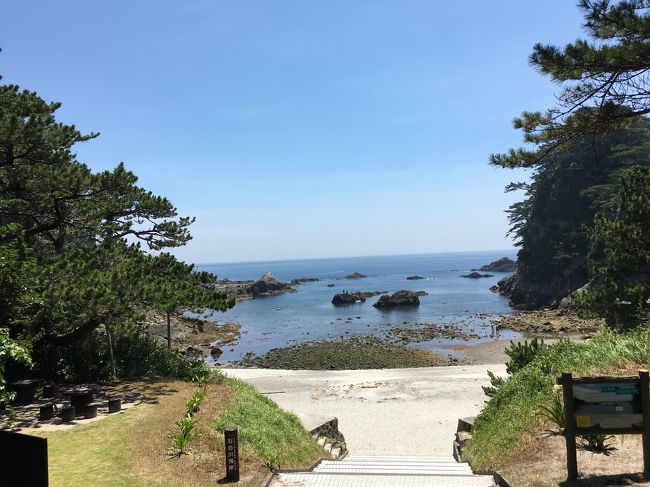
(515, 408)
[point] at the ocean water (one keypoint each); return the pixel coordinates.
(308, 314)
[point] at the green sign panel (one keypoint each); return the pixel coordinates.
(608, 405)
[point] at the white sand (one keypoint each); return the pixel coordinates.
(386, 410)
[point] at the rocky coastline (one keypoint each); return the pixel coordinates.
(361, 352)
(266, 285)
(550, 322)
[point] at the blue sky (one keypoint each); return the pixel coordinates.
(298, 129)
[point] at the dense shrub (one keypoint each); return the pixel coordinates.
(137, 355)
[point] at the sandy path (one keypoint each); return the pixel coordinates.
(391, 410)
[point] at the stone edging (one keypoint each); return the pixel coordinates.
(463, 434)
(329, 430)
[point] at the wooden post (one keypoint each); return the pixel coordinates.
(569, 427)
(645, 409)
(232, 454)
(110, 348)
(169, 331)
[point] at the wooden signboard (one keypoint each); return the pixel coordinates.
(605, 405)
(232, 454)
(23, 460)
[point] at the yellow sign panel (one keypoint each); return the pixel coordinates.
(583, 421)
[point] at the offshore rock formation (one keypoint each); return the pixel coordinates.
(351, 298)
(476, 275)
(504, 264)
(397, 299)
(355, 275)
(266, 285)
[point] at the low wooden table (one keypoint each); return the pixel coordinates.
(25, 391)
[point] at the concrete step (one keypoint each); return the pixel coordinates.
(315, 479)
(396, 471)
(398, 461)
(403, 458)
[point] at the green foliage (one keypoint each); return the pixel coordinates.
(620, 259)
(598, 443)
(70, 256)
(182, 437)
(194, 402)
(10, 350)
(521, 354)
(499, 428)
(495, 383)
(578, 148)
(604, 82)
(554, 411)
(137, 355)
(551, 224)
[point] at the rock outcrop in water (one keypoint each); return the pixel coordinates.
(300, 280)
(398, 299)
(355, 275)
(476, 275)
(504, 264)
(266, 285)
(351, 298)
(414, 278)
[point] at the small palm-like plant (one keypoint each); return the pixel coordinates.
(194, 403)
(554, 412)
(598, 443)
(183, 436)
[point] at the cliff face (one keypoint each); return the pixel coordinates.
(551, 224)
(527, 294)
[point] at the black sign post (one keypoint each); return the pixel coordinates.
(23, 460)
(232, 454)
(609, 405)
(569, 427)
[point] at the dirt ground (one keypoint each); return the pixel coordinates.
(542, 463)
(130, 394)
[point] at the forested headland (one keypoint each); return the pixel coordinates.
(582, 228)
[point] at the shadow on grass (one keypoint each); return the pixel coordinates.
(606, 480)
(27, 416)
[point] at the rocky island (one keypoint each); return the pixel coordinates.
(301, 280)
(355, 275)
(476, 275)
(398, 299)
(345, 298)
(504, 264)
(266, 285)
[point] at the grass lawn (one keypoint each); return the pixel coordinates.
(132, 448)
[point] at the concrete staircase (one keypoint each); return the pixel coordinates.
(385, 471)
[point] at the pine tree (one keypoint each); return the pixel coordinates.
(71, 260)
(605, 82)
(621, 255)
